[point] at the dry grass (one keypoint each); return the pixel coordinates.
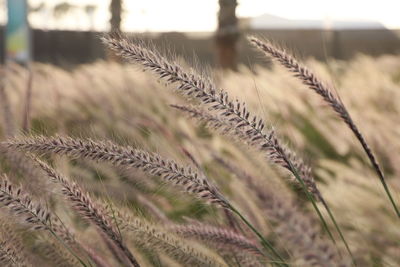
(124, 128)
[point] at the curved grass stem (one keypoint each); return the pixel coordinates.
(338, 229)
(325, 225)
(265, 243)
(385, 186)
(69, 249)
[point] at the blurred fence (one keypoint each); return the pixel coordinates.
(72, 47)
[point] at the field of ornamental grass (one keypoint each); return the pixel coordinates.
(180, 165)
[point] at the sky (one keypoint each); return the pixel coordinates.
(200, 15)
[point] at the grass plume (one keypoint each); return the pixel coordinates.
(314, 83)
(129, 157)
(232, 111)
(222, 238)
(12, 252)
(83, 204)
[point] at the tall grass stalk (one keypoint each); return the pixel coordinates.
(128, 157)
(83, 204)
(310, 197)
(267, 245)
(311, 192)
(21, 205)
(308, 78)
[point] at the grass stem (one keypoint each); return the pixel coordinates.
(265, 243)
(311, 198)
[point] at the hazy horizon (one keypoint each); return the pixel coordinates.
(200, 16)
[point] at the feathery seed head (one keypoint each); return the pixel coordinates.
(128, 157)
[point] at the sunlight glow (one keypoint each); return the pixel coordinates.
(194, 15)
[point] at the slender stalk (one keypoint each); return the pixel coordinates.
(312, 200)
(267, 245)
(385, 186)
(68, 248)
(296, 174)
(338, 229)
(314, 83)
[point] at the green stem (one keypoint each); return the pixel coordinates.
(69, 249)
(338, 229)
(263, 241)
(311, 198)
(63, 243)
(372, 159)
(385, 186)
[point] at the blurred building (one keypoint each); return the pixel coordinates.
(268, 21)
(307, 38)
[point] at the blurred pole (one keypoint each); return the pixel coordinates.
(115, 25)
(227, 34)
(18, 48)
(116, 13)
(18, 37)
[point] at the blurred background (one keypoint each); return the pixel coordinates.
(66, 32)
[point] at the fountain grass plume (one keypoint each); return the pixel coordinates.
(308, 78)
